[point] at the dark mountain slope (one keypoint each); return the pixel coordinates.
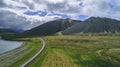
(51, 27)
(95, 25)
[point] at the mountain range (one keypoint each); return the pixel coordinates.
(51, 27)
(95, 25)
(69, 26)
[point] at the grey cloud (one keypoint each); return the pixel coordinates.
(2, 4)
(13, 21)
(63, 8)
(56, 7)
(30, 5)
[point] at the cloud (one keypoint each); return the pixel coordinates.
(55, 1)
(13, 16)
(95, 8)
(15, 19)
(102, 8)
(26, 12)
(69, 7)
(2, 3)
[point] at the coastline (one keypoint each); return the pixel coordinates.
(22, 45)
(6, 48)
(6, 57)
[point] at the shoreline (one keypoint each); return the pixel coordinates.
(14, 53)
(22, 45)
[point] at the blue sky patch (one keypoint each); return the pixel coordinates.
(82, 17)
(111, 5)
(40, 13)
(62, 15)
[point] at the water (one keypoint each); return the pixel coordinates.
(8, 45)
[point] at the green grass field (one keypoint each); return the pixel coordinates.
(73, 51)
(34, 45)
(82, 51)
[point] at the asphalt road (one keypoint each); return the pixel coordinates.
(38, 53)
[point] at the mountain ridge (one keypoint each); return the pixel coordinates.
(51, 27)
(95, 25)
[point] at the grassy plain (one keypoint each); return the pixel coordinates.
(85, 50)
(82, 51)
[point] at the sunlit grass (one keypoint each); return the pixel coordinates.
(34, 44)
(83, 50)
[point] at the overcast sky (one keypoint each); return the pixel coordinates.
(23, 12)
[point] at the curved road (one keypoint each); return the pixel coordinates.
(39, 52)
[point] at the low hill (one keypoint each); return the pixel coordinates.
(95, 25)
(51, 27)
(6, 31)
